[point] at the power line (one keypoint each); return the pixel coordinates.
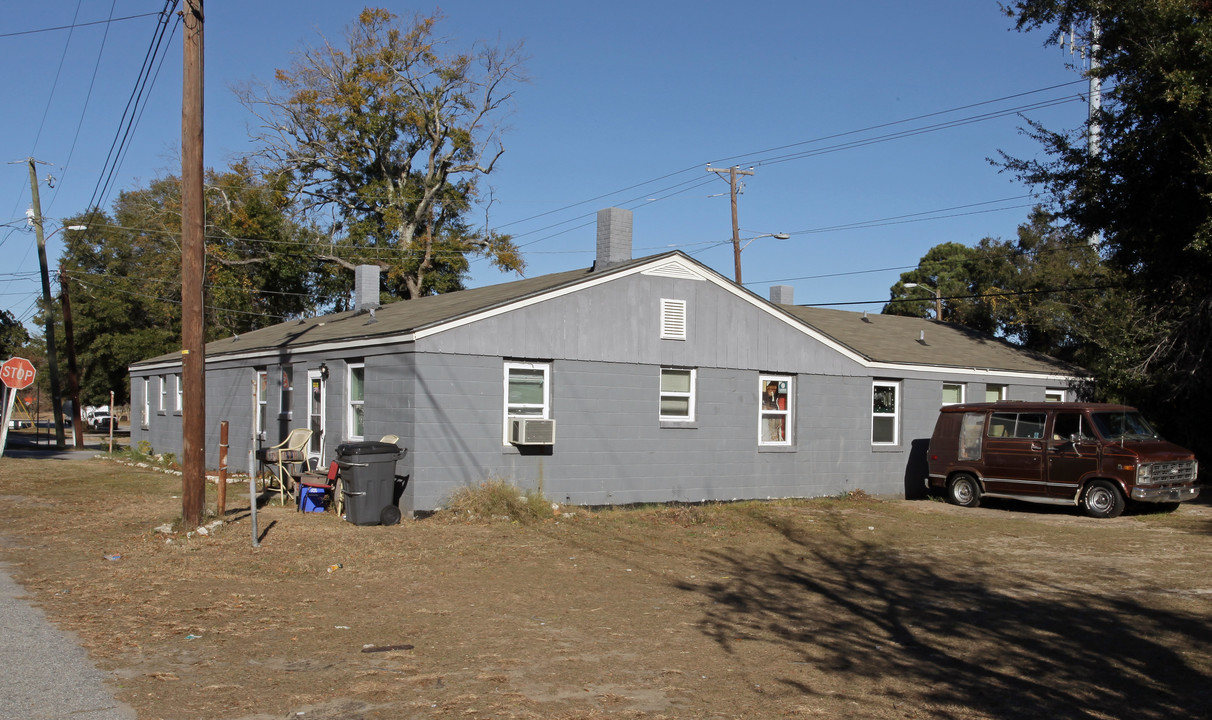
(76, 25)
(134, 106)
(1008, 293)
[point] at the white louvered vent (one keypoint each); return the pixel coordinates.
(674, 269)
(673, 319)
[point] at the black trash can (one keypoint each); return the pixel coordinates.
(368, 473)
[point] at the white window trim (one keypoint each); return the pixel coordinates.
(789, 412)
(1054, 395)
(163, 401)
(180, 403)
(1002, 390)
(146, 419)
(351, 404)
(673, 319)
(545, 413)
(662, 394)
(259, 388)
(963, 393)
(286, 392)
(895, 414)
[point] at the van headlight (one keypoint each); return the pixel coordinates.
(1144, 473)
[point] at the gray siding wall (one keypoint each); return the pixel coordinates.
(611, 448)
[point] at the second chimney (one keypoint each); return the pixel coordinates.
(782, 294)
(366, 288)
(614, 237)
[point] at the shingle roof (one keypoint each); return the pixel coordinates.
(877, 338)
(393, 319)
(919, 341)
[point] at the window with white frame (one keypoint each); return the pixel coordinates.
(357, 401)
(995, 393)
(163, 394)
(527, 392)
(885, 412)
(1054, 395)
(145, 420)
(677, 394)
(673, 319)
(953, 393)
(262, 403)
(179, 402)
(776, 410)
(288, 389)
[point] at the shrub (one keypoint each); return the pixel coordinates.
(496, 499)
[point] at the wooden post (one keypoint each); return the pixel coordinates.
(193, 271)
(221, 491)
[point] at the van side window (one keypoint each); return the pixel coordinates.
(1030, 425)
(1017, 425)
(970, 436)
(1002, 425)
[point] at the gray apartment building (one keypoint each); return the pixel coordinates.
(649, 379)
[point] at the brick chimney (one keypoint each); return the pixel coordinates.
(614, 238)
(782, 294)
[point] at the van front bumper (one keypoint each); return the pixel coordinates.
(1164, 494)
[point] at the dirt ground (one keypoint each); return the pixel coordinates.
(852, 607)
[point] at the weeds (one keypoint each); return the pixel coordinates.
(496, 499)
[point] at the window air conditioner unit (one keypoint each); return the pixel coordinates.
(531, 431)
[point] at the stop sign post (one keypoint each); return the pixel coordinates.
(17, 374)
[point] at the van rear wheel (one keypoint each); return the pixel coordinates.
(964, 491)
(1102, 500)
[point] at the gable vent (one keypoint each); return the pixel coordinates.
(673, 319)
(673, 269)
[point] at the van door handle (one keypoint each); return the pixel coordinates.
(1036, 446)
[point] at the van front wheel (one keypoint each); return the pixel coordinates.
(1102, 500)
(963, 490)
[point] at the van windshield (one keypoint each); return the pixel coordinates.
(1124, 426)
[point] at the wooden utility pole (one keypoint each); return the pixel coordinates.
(736, 230)
(73, 372)
(193, 264)
(52, 356)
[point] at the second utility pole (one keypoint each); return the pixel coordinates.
(736, 230)
(52, 359)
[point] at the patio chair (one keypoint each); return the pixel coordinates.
(281, 458)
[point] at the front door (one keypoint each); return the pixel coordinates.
(1072, 454)
(316, 405)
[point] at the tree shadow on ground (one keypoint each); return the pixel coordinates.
(964, 636)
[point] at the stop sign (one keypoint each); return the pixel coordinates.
(17, 373)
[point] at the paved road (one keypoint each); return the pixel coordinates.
(45, 674)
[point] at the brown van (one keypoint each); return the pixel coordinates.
(1093, 455)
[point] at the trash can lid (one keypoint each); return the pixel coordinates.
(369, 447)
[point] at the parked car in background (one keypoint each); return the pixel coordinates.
(1095, 456)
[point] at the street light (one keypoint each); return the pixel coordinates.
(938, 298)
(739, 248)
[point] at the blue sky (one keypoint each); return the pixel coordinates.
(626, 105)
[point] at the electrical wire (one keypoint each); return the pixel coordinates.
(76, 25)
